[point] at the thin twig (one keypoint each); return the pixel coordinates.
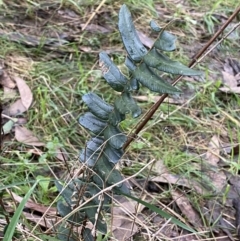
(155, 107)
(93, 14)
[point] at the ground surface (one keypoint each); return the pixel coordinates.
(188, 152)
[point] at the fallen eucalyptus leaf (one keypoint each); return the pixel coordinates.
(25, 92)
(22, 134)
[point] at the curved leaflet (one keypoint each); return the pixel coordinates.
(161, 62)
(126, 104)
(111, 73)
(113, 155)
(92, 123)
(166, 40)
(90, 154)
(114, 137)
(115, 117)
(130, 38)
(147, 77)
(97, 106)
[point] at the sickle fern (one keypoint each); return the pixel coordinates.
(104, 150)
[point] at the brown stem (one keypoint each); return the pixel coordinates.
(154, 108)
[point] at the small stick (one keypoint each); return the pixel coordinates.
(93, 14)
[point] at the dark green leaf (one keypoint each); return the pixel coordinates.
(66, 193)
(113, 155)
(76, 218)
(126, 104)
(92, 123)
(66, 234)
(149, 78)
(114, 136)
(87, 235)
(166, 40)
(124, 188)
(101, 224)
(90, 154)
(91, 211)
(129, 63)
(97, 106)
(115, 117)
(161, 62)
(133, 84)
(111, 73)
(98, 180)
(130, 38)
(109, 174)
(91, 190)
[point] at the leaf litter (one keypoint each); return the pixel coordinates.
(25, 136)
(123, 222)
(25, 92)
(231, 77)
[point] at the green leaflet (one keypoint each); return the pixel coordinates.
(66, 233)
(161, 62)
(66, 193)
(87, 235)
(126, 104)
(148, 78)
(64, 209)
(113, 155)
(92, 123)
(90, 154)
(130, 38)
(91, 210)
(97, 106)
(111, 73)
(133, 85)
(109, 175)
(166, 40)
(115, 118)
(129, 63)
(114, 137)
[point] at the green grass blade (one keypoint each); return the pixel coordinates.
(161, 213)
(12, 225)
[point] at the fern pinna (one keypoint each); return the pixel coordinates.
(104, 150)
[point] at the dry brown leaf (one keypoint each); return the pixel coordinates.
(230, 83)
(123, 227)
(235, 90)
(229, 80)
(46, 222)
(6, 81)
(61, 155)
(212, 156)
(16, 108)
(25, 92)
(35, 206)
(35, 151)
(94, 28)
(22, 134)
(164, 176)
(186, 208)
(217, 177)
